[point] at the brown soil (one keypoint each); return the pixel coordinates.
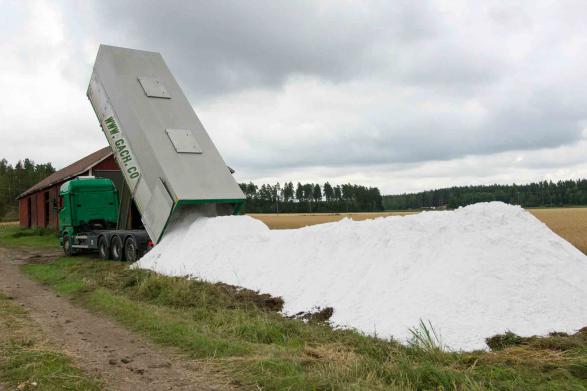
(315, 315)
(262, 300)
(101, 347)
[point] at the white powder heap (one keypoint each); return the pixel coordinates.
(473, 272)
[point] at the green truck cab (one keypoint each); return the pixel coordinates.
(88, 215)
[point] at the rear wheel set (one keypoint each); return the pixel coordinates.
(103, 248)
(116, 249)
(129, 251)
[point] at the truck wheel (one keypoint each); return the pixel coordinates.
(67, 249)
(117, 249)
(131, 250)
(103, 248)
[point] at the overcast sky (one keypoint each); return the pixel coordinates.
(403, 95)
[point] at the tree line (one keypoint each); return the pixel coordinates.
(545, 193)
(15, 179)
(310, 198)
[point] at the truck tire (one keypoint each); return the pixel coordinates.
(67, 249)
(131, 250)
(103, 248)
(116, 249)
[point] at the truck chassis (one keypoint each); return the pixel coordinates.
(118, 245)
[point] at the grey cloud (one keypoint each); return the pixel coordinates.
(388, 135)
(445, 80)
(218, 47)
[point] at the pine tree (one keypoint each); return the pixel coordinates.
(277, 192)
(300, 192)
(308, 191)
(337, 193)
(317, 193)
(328, 192)
(14, 180)
(252, 190)
(288, 192)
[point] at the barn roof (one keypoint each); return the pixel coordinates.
(71, 171)
(74, 170)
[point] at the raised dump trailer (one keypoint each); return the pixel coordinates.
(167, 159)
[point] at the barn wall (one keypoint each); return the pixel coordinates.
(33, 210)
(23, 212)
(53, 213)
(107, 169)
(38, 198)
(37, 212)
(107, 164)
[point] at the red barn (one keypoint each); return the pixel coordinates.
(38, 205)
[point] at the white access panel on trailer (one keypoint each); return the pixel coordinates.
(165, 154)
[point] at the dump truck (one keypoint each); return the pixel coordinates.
(88, 215)
(169, 163)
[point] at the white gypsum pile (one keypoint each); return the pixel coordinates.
(473, 272)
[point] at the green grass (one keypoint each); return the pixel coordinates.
(11, 235)
(244, 336)
(29, 363)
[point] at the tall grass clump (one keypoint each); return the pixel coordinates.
(426, 338)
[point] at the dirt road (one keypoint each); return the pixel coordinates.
(122, 359)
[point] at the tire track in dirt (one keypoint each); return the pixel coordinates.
(122, 359)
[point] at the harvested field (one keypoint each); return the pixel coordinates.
(298, 220)
(569, 223)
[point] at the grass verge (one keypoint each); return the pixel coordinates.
(27, 362)
(11, 235)
(242, 333)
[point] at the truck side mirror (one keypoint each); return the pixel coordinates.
(54, 203)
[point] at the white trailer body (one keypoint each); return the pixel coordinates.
(166, 156)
